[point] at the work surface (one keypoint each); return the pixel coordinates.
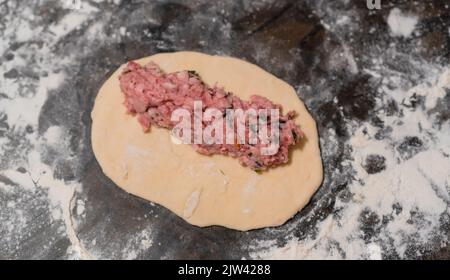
(374, 80)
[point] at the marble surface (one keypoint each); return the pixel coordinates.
(322, 48)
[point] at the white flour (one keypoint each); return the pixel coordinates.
(401, 24)
(24, 99)
(24, 177)
(410, 193)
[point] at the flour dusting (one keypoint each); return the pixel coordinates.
(377, 82)
(401, 182)
(401, 24)
(38, 203)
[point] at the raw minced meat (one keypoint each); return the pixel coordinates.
(153, 95)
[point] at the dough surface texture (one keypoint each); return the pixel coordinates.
(206, 190)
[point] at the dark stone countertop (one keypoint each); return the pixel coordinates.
(337, 54)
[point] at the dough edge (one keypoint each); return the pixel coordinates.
(248, 200)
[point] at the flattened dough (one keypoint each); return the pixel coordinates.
(206, 190)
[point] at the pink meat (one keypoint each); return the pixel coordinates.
(153, 95)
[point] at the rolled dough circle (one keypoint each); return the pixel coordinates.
(206, 190)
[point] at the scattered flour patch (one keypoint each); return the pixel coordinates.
(69, 23)
(60, 195)
(122, 31)
(411, 192)
(138, 245)
(374, 251)
(401, 24)
(146, 241)
(23, 111)
(19, 179)
(24, 32)
(53, 135)
(81, 207)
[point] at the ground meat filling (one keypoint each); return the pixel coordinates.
(153, 95)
